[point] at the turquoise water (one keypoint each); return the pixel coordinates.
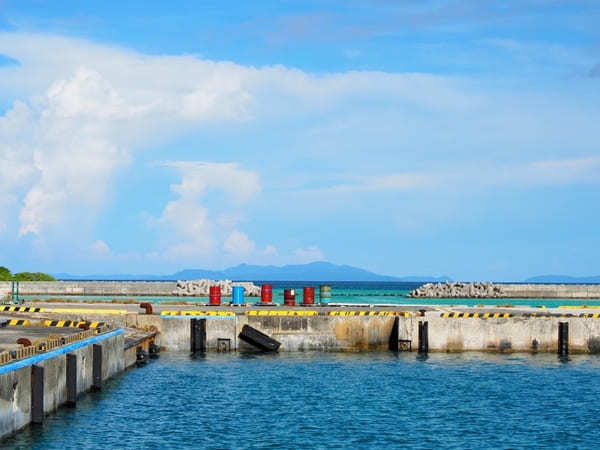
(322, 400)
(353, 292)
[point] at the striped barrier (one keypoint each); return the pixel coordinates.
(288, 313)
(368, 313)
(457, 315)
(283, 313)
(73, 324)
(19, 322)
(590, 315)
(64, 323)
(198, 313)
(6, 308)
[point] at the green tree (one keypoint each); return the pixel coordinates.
(32, 276)
(5, 274)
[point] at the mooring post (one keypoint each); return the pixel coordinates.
(423, 337)
(97, 367)
(563, 338)
(198, 335)
(71, 379)
(37, 394)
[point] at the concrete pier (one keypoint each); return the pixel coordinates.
(44, 367)
(352, 328)
(49, 354)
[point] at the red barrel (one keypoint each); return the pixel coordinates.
(309, 296)
(215, 295)
(289, 297)
(266, 293)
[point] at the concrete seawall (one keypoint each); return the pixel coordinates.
(117, 288)
(438, 290)
(491, 290)
(509, 332)
(16, 379)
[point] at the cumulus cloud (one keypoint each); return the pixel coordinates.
(89, 107)
(197, 176)
(100, 248)
(270, 250)
(309, 254)
(189, 222)
(238, 243)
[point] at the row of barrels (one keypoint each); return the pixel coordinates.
(266, 295)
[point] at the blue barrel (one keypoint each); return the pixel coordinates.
(238, 295)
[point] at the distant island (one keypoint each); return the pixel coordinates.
(315, 271)
(563, 279)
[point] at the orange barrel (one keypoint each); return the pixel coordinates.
(289, 297)
(309, 296)
(266, 293)
(215, 295)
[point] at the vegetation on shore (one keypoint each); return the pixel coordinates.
(6, 275)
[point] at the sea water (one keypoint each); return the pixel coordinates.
(326, 400)
(352, 292)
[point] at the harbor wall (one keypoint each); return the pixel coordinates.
(15, 385)
(93, 288)
(460, 290)
(514, 334)
(439, 290)
(331, 333)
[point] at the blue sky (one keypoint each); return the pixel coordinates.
(441, 137)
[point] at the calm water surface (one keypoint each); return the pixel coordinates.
(356, 292)
(321, 400)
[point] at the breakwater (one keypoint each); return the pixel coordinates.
(191, 288)
(501, 290)
(201, 288)
(45, 364)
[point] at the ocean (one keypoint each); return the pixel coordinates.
(355, 292)
(325, 400)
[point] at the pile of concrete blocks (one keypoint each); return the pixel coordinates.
(458, 290)
(200, 288)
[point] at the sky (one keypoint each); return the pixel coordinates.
(451, 138)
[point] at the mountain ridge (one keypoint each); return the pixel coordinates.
(566, 279)
(315, 271)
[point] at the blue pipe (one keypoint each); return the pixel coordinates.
(59, 351)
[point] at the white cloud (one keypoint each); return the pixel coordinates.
(238, 244)
(100, 248)
(309, 254)
(187, 221)
(485, 175)
(91, 106)
(270, 250)
(197, 176)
